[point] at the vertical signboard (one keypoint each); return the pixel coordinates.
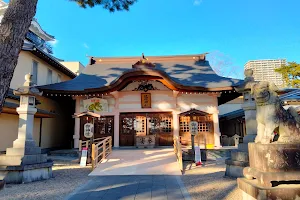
(83, 157)
(146, 100)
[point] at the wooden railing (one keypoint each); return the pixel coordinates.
(178, 152)
(83, 144)
(100, 150)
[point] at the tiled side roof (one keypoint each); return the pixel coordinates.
(294, 95)
(188, 73)
(28, 46)
(232, 115)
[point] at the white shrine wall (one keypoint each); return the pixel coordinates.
(162, 100)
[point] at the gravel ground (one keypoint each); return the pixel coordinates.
(67, 177)
(208, 182)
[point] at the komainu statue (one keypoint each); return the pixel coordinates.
(272, 117)
(274, 160)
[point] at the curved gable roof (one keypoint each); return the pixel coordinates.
(183, 72)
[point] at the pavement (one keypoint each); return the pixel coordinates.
(135, 187)
(135, 174)
(154, 161)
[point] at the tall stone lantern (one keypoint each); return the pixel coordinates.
(240, 158)
(24, 162)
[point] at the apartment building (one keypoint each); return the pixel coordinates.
(264, 70)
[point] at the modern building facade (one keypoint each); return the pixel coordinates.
(264, 70)
(157, 95)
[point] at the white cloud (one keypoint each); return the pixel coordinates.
(85, 46)
(197, 2)
(53, 43)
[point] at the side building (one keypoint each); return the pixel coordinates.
(264, 70)
(51, 125)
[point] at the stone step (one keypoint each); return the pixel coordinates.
(65, 152)
(2, 183)
(243, 147)
(67, 159)
(6, 160)
(236, 163)
(240, 156)
(23, 151)
(234, 171)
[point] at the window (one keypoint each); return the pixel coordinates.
(58, 78)
(49, 76)
(34, 71)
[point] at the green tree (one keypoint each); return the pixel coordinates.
(290, 74)
(15, 24)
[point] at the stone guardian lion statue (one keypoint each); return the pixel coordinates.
(272, 116)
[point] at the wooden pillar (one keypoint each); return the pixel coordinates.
(116, 119)
(175, 124)
(217, 133)
(76, 135)
(116, 130)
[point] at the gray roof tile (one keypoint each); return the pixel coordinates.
(186, 73)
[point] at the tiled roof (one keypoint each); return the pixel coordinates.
(233, 114)
(14, 106)
(189, 73)
(294, 95)
(28, 46)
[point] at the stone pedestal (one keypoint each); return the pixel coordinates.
(252, 190)
(274, 172)
(24, 162)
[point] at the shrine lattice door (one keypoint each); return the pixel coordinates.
(103, 127)
(205, 134)
(141, 124)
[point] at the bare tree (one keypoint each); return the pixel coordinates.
(15, 24)
(223, 65)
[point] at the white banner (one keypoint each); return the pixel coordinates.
(197, 155)
(95, 105)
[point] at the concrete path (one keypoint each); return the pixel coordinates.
(135, 174)
(139, 162)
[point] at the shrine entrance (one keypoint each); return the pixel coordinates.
(205, 136)
(103, 127)
(133, 125)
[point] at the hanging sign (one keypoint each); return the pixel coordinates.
(95, 105)
(193, 127)
(88, 130)
(146, 100)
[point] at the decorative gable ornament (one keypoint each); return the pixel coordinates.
(143, 63)
(145, 86)
(95, 105)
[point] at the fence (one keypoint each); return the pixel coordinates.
(100, 149)
(178, 153)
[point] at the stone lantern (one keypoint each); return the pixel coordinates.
(24, 162)
(239, 159)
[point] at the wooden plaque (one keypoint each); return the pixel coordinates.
(146, 100)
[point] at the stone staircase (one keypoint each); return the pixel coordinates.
(65, 153)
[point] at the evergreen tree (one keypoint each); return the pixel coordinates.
(15, 24)
(290, 74)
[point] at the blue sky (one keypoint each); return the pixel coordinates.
(233, 31)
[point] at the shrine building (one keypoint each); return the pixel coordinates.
(148, 96)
